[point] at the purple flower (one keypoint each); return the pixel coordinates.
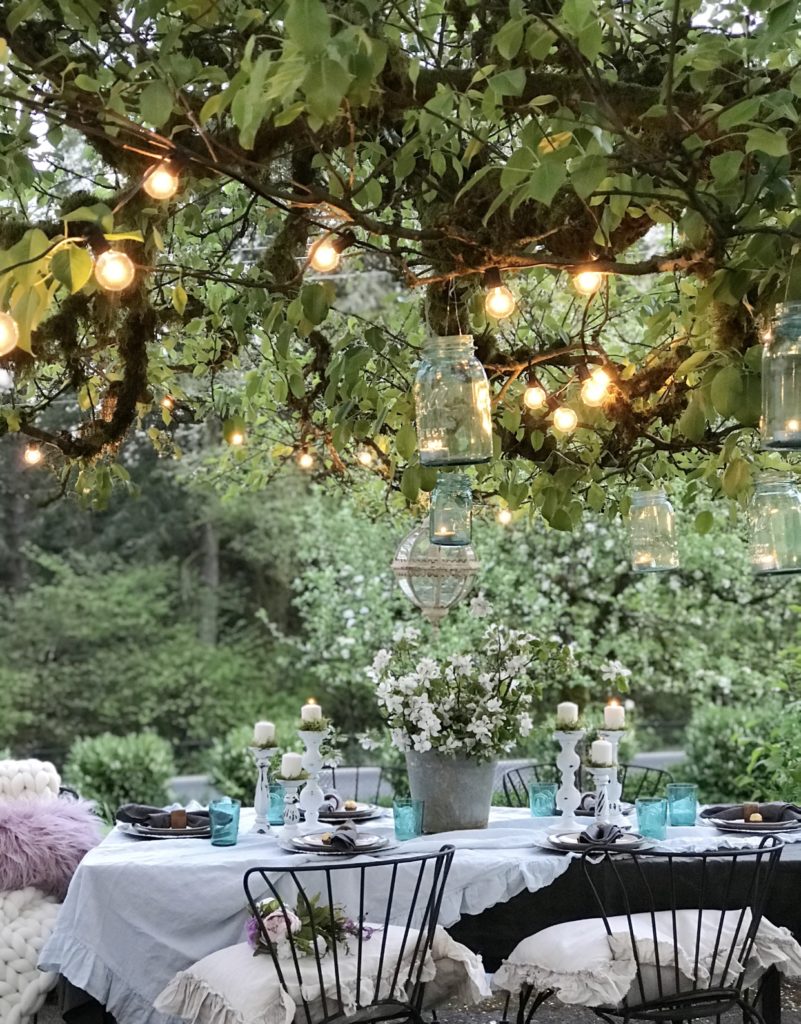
(350, 927)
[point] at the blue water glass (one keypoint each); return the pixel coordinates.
(224, 815)
(408, 816)
(682, 803)
(652, 816)
(276, 814)
(542, 799)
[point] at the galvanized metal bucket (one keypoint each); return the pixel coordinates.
(457, 791)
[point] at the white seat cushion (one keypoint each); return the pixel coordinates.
(26, 920)
(232, 986)
(588, 967)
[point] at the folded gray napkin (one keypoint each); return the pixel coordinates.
(587, 805)
(157, 817)
(332, 801)
(345, 836)
(599, 835)
(774, 811)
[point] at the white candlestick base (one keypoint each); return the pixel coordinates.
(602, 777)
(261, 801)
(568, 796)
(616, 815)
(291, 826)
(312, 795)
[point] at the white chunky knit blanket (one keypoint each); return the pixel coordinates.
(28, 780)
(26, 920)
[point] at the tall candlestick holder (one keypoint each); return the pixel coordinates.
(616, 815)
(602, 775)
(291, 826)
(261, 801)
(312, 795)
(568, 762)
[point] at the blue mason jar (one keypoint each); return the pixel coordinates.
(451, 518)
(780, 425)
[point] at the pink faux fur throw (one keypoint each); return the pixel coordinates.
(43, 841)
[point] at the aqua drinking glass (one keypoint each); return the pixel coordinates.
(276, 815)
(408, 815)
(542, 799)
(652, 816)
(224, 815)
(682, 803)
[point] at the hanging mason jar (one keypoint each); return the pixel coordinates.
(774, 516)
(780, 425)
(652, 533)
(451, 518)
(452, 404)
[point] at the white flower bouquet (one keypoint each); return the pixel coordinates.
(477, 704)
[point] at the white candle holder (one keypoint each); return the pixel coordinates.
(261, 801)
(602, 777)
(291, 826)
(568, 762)
(616, 815)
(312, 795)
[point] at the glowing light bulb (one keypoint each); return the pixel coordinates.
(305, 460)
(324, 256)
(565, 419)
(588, 282)
(499, 302)
(9, 333)
(793, 426)
(161, 182)
(236, 438)
(535, 396)
(114, 271)
(595, 388)
(168, 402)
(365, 457)
(33, 455)
(504, 516)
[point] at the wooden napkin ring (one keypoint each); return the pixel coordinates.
(178, 819)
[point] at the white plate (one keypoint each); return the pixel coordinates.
(738, 825)
(387, 844)
(314, 842)
(338, 819)
(569, 841)
(143, 832)
(359, 809)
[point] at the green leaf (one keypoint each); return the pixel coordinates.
(509, 39)
(86, 83)
(508, 83)
(725, 167)
(692, 422)
(728, 391)
(587, 173)
(308, 25)
(741, 113)
(406, 441)
(72, 266)
(704, 522)
(315, 303)
(98, 213)
(179, 298)
(155, 103)
(410, 483)
(736, 478)
(546, 180)
(325, 85)
(20, 13)
(764, 141)
(691, 363)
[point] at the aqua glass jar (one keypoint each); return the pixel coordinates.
(451, 519)
(780, 425)
(452, 404)
(652, 533)
(774, 519)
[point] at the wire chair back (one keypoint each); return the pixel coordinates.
(376, 969)
(638, 780)
(360, 782)
(517, 780)
(690, 962)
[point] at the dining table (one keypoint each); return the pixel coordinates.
(139, 911)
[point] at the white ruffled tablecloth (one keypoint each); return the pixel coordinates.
(137, 912)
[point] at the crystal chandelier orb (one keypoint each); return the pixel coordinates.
(780, 425)
(652, 533)
(432, 576)
(774, 519)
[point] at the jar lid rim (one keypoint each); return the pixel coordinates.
(436, 338)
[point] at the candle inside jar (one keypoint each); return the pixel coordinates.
(601, 752)
(311, 711)
(291, 766)
(614, 715)
(567, 714)
(264, 733)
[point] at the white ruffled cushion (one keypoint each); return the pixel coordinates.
(232, 986)
(26, 920)
(585, 966)
(28, 780)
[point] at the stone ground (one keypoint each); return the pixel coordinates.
(551, 1012)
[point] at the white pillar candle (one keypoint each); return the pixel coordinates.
(601, 752)
(567, 714)
(264, 733)
(291, 766)
(614, 716)
(311, 712)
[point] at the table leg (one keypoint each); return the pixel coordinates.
(771, 996)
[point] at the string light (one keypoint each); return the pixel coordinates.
(587, 282)
(9, 333)
(161, 182)
(565, 419)
(504, 516)
(33, 455)
(325, 254)
(365, 457)
(535, 396)
(499, 301)
(114, 270)
(305, 459)
(236, 438)
(168, 402)
(595, 388)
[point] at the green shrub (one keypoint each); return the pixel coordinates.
(114, 770)
(231, 766)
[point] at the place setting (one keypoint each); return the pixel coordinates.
(773, 818)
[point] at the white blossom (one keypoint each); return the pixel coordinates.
(614, 669)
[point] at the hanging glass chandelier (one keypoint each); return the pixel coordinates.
(452, 404)
(433, 577)
(774, 517)
(780, 425)
(451, 518)
(652, 533)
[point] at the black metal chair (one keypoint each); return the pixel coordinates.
(636, 780)
(378, 974)
(689, 921)
(360, 782)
